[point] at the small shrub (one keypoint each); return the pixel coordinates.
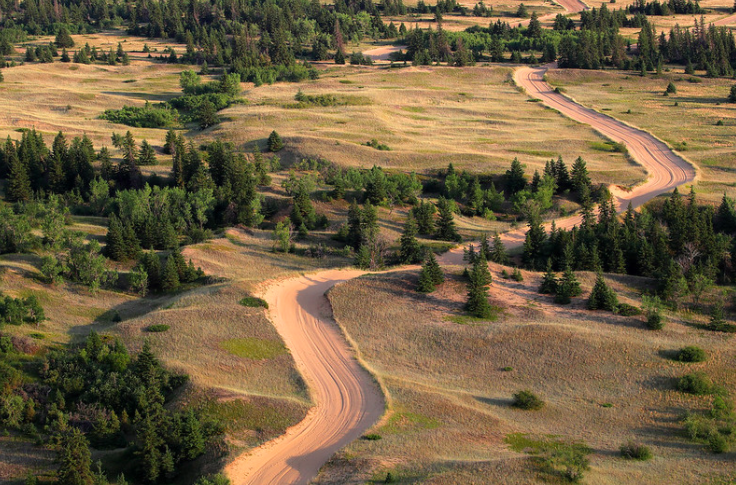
(517, 276)
(504, 274)
(389, 478)
(691, 353)
(372, 437)
(635, 451)
(655, 322)
(628, 310)
(719, 123)
(37, 336)
(253, 302)
(158, 328)
(527, 401)
(116, 318)
(696, 383)
(507, 369)
(717, 443)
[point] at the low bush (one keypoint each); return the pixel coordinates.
(372, 437)
(691, 353)
(527, 401)
(628, 310)
(696, 383)
(253, 302)
(655, 322)
(717, 443)
(635, 451)
(147, 116)
(161, 327)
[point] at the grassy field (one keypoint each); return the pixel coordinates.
(688, 120)
(604, 377)
(429, 117)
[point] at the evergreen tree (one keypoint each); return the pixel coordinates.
(19, 183)
(446, 223)
(434, 269)
(355, 226)
(207, 114)
(568, 287)
(549, 281)
(170, 276)
(602, 297)
(579, 174)
(63, 38)
(498, 253)
(170, 144)
(115, 248)
(515, 178)
(74, 459)
(146, 155)
(479, 280)
(424, 214)
(426, 281)
(411, 250)
(274, 142)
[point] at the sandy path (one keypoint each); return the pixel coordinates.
(382, 53)
(347, 400)
(730, 20)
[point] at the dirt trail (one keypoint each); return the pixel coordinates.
(730, 20)
(347, 400)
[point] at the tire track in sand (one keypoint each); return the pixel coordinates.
(347, 399)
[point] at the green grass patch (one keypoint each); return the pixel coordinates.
(253, 348)
(158, 328)
(326, 100)
(608, 146)
(413, 109)
(535, 153)
(253, 302)
(402, 422)
(37, 336)
(267, 418)
(471, 320)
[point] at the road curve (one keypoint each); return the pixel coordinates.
(347, 400)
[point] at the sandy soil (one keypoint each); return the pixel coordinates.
(382, 53)
(347, 400)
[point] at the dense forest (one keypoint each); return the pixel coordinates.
(268, 42)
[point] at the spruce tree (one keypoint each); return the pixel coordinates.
(446, 222)
(498, 253)
(115, 248)
(480, 278)
(19, 183)
(74, 459)
(579, 175)
(549, 281)
(568, 287)
(426, 282)
(274, 142)
(485, 247)
(63, 38)
(515, 178)
(170, 144)
(170, 276)
(602, 297)
(146, 155)
(434, 269)
(411, 250)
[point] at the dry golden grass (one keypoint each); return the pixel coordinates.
(689, 127)
(429, 117)
(450, 395)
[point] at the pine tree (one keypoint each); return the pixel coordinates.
(63, 38)
(355, 226)
(74, 459)
(446, 223)
(192, 437)
(19, 183)
(170, 276)
(170, 144)
(549, 281)
(146, 155)
(485, 247)
(115, 248)
(426, 282)
(274, 142)
(498, 254)
(515, 178)
(568, 287)
(602, 297)
(579, 175)
(480, 278)
(435, 271)
(411, 250)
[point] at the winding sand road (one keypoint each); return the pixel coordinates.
(347, 400)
